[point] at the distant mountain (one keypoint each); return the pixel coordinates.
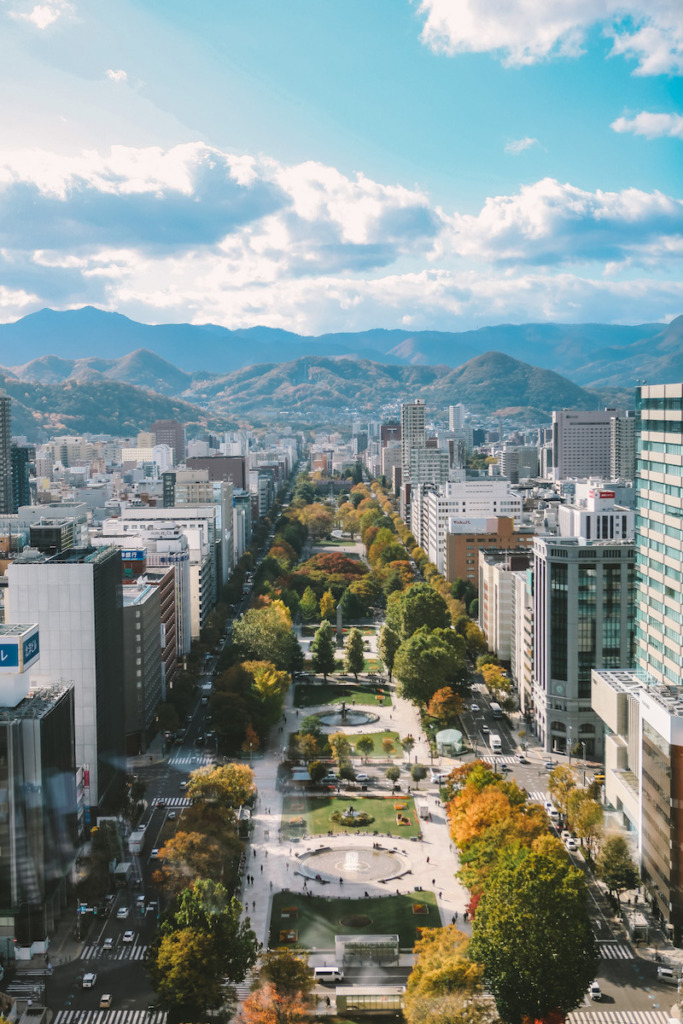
(590, 354)
(102, 407)
(141, 368)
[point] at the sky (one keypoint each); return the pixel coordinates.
(339, 165)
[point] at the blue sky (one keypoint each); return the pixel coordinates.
(330, 165)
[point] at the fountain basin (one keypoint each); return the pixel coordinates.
(352, 863)
(349, 718)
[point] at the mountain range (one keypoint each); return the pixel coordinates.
(592, 355)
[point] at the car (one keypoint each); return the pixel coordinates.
(129, 936)
(140, 902)
(362, 777)
(154, 855)
(183, 784)
(151, 908)
(485, 729)
(108, 944)
(161, 804)
(171, 816)
(89, 980)
(565, 835)
(550, 765)
(474, 708)
(571, 844)
(505, 768)
(599, 778)
(122, 913)
(141, 827)
(522, 759)
(105, 1001)
(594, 991)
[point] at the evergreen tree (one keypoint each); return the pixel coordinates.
(354, 655)
(308, 605)
(388, 643)
(322, 650)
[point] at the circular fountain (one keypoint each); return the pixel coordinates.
(345, 716)
(353, 864)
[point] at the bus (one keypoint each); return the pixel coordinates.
(496, 710)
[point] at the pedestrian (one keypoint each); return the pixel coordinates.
(428, 860)
(455, 916)
(287, 865)
(262, 869)
(266, 853)
(433, 881)
(465, 916)
(440, 895)
(271, 886)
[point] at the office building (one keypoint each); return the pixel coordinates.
(7, 505)
(429, 466)
(141, 662)
(581, 443)
(583, 615)
(412, 433)
(623, 446)
(171, 433)
(456, 416)
(518, 463)
(466, 537)
(522, 642)
(230, 468)
(497, 573)
(21, 456)
(75, 597)
(390, 433)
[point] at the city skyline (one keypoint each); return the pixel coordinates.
(342, 166)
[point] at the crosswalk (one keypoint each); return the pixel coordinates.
(500, 758)
(537, 796)
(616, 951)
(171, 801)
(194, 760)
(618, 1017)
(119, 953)
(110, 1017)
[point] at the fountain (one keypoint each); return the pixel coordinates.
(347, 717)
(353, 864)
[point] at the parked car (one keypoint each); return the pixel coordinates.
(572, 845)
(550, 764)
(362, 777)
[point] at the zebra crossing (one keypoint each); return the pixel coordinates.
(618, 1017)
(196, 760)
(615, 951)
(119, 953)
(500, 758)
(172, 801)
(110, 1017)
(536, 796)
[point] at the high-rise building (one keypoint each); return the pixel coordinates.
(581, 443)
(21, 456)
(412, 433)
(456, 416)
(172, 433)
(75, 597)
(6, 496)
(141, 662)
(623, 447)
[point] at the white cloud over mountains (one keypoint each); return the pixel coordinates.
(194, 233)
(526, 31)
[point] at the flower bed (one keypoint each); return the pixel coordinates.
(352, 819)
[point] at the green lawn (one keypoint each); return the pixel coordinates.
(319, 919)
(316, 811)
(309, 695)
(378, 749)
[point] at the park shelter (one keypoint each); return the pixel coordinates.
(448, 742)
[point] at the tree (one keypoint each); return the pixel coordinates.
(365, 746)
(267, 1006)
(388, 746)
(354, 653)
(251, 742)
(264, 634)
(308, 605)
(327, 606)
(318, 520)
(615, 865)
(533, 936)
(423, 663)
(418, 772)
(561, 783)
(317, 770)
(419, 606)
(230, 785)
(408, 742)
(585, 816)
(341, 746)
(347, 772)
(322, 650)
(185, 973)
(309, 746)
(445, 705)
(442, 966)
(393, 773)
(388, 642)
(191, 855)
(288, 971)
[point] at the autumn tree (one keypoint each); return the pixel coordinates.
(317, 771)
(442, 967)
(251, 742)
(309, 745)
(534, 966)
(267, 1006)
(287, 970)
(354, 653)
(388, 642)
(561, 784)
(327, 606)
(341, 746)
(445, 705)
(388, 746)
(585, 816)
(187, 856)
(318, 519)
(229, 785)
(322, 650)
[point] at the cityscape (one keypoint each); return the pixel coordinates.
(341, 512)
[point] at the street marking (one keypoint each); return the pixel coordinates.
(500, 758)
(615, 951)
(171, 802)
(618, 1017)
(194, 759)
(538, 797)
(110, 1017)
(120, 953)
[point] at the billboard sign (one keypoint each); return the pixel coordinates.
(19, 648)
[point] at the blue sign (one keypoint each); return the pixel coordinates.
(31, 648)
(133, 555)
(9, 655)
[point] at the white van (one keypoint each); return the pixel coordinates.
(668, 975)
(327, 974)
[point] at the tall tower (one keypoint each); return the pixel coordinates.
(6, 500)
(412, 432)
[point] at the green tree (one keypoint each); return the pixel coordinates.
(229, 785)
(388, 642)
(327, 606)
(322, 650)
(408, 742)
(317, 770)
(585, 817)
(264, 634)
(365, 746)
(393, 773)
(308, 605)
(424, 662)
(419, 606)
(354, 653)
(288, 971)
(347, 772)
(340, 746)
(418, 772)
(533, 936)
(561, 784)
(615, 865)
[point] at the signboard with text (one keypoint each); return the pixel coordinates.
(19, 650)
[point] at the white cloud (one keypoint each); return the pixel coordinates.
(117, 76)
(193, 233)
(518, 146)
(652, 126)
(527, 31)
(44, 14)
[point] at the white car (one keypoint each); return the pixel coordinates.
(129, 936)
(89, 980)
(122, 913)
(362, 777)
(572, 845)
(108, 944)
(595, 992)
(474, 708)
(154, 855)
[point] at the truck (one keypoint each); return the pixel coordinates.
(496, 710)
(136, 842)
(494, 743)
(122, 874)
